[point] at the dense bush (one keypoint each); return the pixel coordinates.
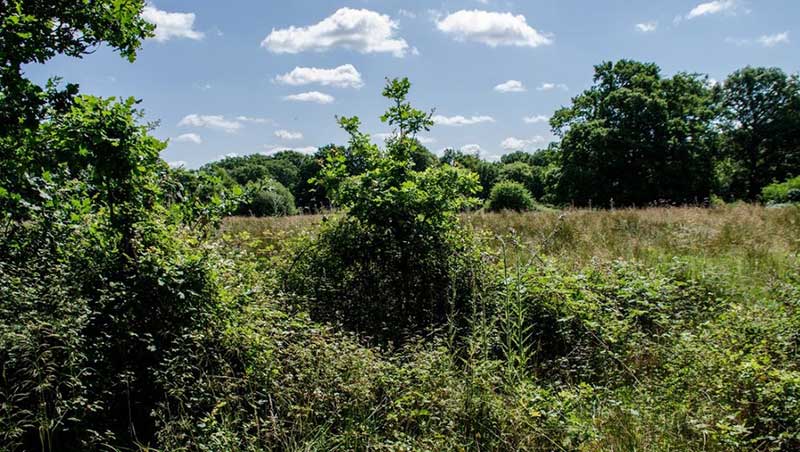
(267, 198)
(396, 263)
(781, 192)
(531, 177)
(508, 195)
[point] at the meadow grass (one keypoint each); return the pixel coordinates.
(749, 240)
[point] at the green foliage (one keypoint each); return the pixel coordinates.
(388, 261)
(635, 138)
(532, 178)
(793, 195)
(488, 172)
(761, 120)
(781, 192)
(509, 195)
(268, 198)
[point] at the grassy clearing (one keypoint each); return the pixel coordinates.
(749, 239)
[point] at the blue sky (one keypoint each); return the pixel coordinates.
(251, 76)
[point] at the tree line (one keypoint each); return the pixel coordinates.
(634, 138)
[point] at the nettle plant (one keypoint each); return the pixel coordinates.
(397, 262)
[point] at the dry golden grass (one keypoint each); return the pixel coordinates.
(750, 239)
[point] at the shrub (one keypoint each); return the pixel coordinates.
(780, 192)
(529, 176)
(268, 198)
(397, 262)
(509, 195)
(793, 195)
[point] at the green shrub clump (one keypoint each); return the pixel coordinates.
(780, 193)
(268, 198)
(510, 195)
(397, 262)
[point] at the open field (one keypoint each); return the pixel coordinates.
(751, 237)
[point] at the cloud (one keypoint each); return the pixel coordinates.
(287, 135)
(471, 149)
(517, 144)
(211, 122)
(407, 13)
(647, 27)
(360, 30)
(189, 138)
(426, 140)
(714, 7)
(177, 164)
(773, 40)
(458, 121)
(346, 76)
(552, 86)
(511, 86)
(535, 119)
(270, 149)
(255, 120)
(171, 25)
(765, 40)
(492, 29)
(311, 96)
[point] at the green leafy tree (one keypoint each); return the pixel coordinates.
(99, 282)
(634, 138)
(34, 31)
(488, 172)
(761, 119)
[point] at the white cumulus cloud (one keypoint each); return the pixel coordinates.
(311, 96)
(171, 25)
(458, 121)
(210, 121)
(647, 27)
(713, 7)
(511, 86)
(493, 29)
(189, 138)
(535, 119)
(345, 76)
(288, 135)
(360, 30)
(518, 144)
